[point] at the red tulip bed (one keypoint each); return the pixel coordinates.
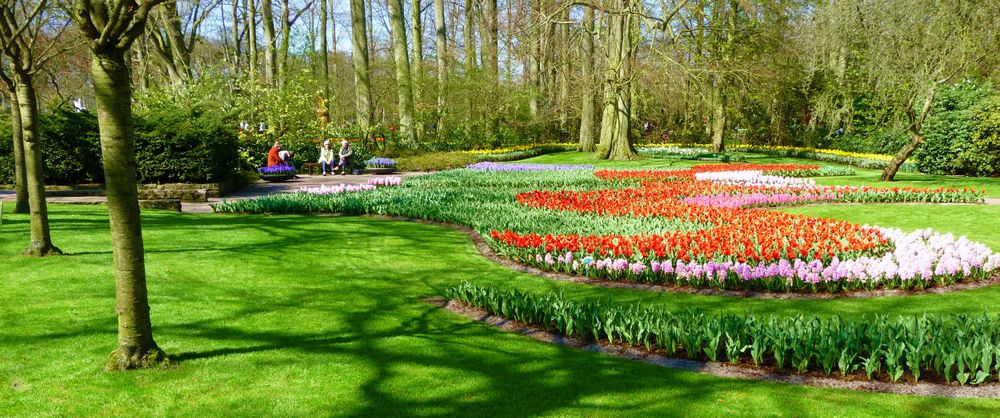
(743, 246)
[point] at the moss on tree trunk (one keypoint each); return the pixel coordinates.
(136, 347)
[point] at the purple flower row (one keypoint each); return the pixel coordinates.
(491, 166)
(336, 189)
(385, 181)
(276, 170)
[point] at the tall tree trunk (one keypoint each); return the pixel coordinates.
(403, 82)
(179, 64)
(21, 205)
(359, 55)
(236, 35)
(286, 37)
(136, 347)
(718, 125)
(616, 141)
(470, 52)
(325, 48)
(27, 101)
(534, 68)
(251, 22)
(270, 43)
(372, 51)
(587, 107)
(564, 69)
(914, 130)
(488, 35)
(418, 50)
(441, 36)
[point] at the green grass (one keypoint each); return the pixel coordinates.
(304, 315)
(863, 177)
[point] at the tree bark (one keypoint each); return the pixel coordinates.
(27, 101)
(489, 36)
(534, 50)
(914, 130)
(286, 36)
(616, 141)
(718, 122)
(359, 55)
(237, 53)
(136, 347)
(270, 43)
(417, 68)
(21, 204)
(403, 82)
(325, 48)
(251, 22)
(564, 69)
(587, 107)
(441, 36)
(469, 37)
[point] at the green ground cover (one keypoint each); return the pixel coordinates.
(314, 315)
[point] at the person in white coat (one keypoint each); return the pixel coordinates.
(326, 158)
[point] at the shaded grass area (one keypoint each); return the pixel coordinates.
(302, 315)
(863, 176)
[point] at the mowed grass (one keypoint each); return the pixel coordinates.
(309, 315)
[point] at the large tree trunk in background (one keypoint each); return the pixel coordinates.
(616, 141)
(236, 35)
(468, 35)
(325, 48)
(251, 22)
(403, 82)
(27, 101)
(136, 347)
(534, 49)
(564, 69)
(440, 32)
(270, 43)
(488, 35)
(286, 36)
(20, 172)
(587, 107)
(169, 44)
(417, 68)
(359, 55)
(718, 122)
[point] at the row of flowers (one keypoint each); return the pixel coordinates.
(372, 184)
(492, 166)
(919, 259)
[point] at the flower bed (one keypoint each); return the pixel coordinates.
(337, 189)
(385, 181)
(276, 173)
(943, 348)
(702, 226)
(381, 162)
(492, 166)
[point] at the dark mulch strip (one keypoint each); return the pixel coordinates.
(991, 390)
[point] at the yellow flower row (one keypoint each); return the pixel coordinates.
(880, 157)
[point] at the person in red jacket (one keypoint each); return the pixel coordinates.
(272, 156)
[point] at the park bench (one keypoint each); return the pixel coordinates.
(309, 168)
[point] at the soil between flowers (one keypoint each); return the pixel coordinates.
(739, 371)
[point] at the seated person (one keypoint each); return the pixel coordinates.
(273, 158)
(326, 157)
(345, 155)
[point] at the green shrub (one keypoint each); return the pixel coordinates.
(949, 131)
(434, 161)
(982, 156)
(181, 142)
(71, 148)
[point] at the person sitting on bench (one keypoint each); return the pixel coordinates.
(345, 156)
(326, 158)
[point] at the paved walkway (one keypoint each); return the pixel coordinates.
(259, 188)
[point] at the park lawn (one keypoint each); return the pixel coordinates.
(864, 177)
(304, 315)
